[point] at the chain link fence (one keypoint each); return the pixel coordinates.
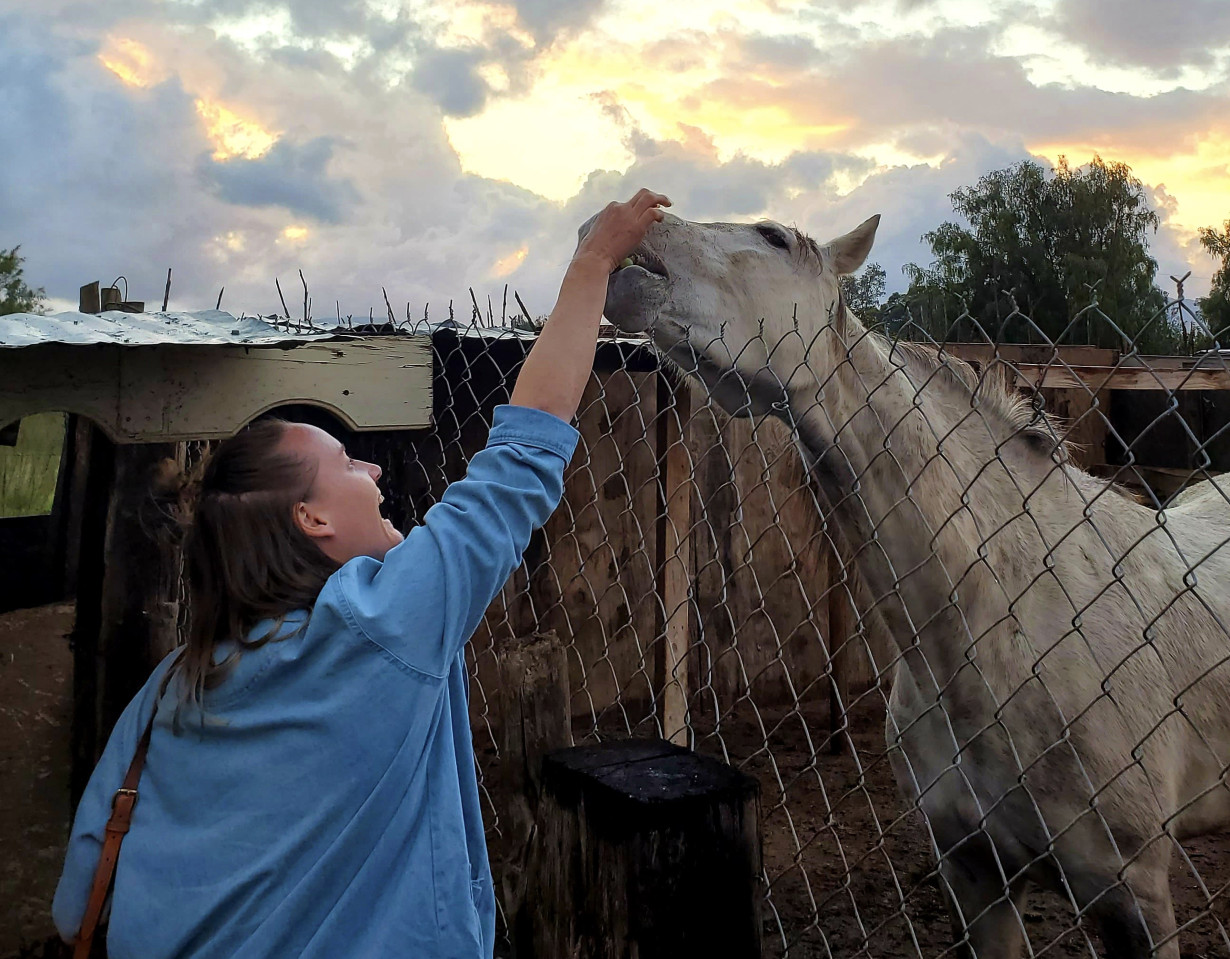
(962, 617)
(972, 661)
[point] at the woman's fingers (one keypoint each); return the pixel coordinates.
(649, 218)
(647, 198)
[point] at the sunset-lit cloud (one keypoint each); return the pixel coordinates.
(133, 63)
(233, 135)
(506, 266)
(429, 147)
(1196, 173)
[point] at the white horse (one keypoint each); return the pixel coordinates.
(1060, 709)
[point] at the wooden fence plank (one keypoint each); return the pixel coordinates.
(675, 559)
(1098, 378)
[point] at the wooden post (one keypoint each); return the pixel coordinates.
(127, 594)
(642, 849)
(140, 607)
(535, 719)
(674, 560)
(95, 463)
(534, 709)
(839, 653)
(67, 511)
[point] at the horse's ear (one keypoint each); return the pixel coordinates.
(848, 252)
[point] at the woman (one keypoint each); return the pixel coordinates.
(310, 788)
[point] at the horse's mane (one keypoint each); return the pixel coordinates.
(990, 390)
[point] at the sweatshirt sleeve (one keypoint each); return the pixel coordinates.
(425, 600)
(86, 838)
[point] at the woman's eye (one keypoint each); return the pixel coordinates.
(773, 236)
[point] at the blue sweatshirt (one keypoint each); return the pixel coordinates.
(328, 806)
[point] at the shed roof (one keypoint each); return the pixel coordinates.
(204, 327)
(219, 328)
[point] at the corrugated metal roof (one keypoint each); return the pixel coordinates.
(206, 327)
(216, 327)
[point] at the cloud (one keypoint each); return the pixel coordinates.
(362, 187)
(911, 199)
(780, 53)
(546, 19)
(1145, 33)
(953, 80)
(291, 176)
(450, 78)
(701, 184)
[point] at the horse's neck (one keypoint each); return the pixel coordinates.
(889, 460)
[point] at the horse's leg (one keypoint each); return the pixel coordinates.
(1135, 917)
(986, 914)
(1134, 914)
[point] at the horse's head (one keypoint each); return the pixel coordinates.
(742, 306)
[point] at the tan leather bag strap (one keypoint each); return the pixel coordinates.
(122, 804)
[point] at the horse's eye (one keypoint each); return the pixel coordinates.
(773, 235)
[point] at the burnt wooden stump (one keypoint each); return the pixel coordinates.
(643, 849)
(533, 706)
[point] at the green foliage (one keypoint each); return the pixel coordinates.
(1050, 243)
(864, 291)
(28, 470)
(1215, 308)
(15, 295)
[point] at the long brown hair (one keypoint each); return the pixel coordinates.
(245, 558)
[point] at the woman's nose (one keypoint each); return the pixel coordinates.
(375, 471)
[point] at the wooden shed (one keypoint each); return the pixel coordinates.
(139, 389)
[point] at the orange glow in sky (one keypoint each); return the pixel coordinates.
(508, 265)
(233, 135)
(131, 62)
(562, 106)
(1196, 174)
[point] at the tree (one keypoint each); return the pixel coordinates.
(1215, 308)
(1049, 242)
(15, 295)
(864, 291)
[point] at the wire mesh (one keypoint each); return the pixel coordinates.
(956, 602)
(961, 614)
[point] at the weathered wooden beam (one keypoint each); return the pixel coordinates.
(96, 469)
(1093, 368)
(65, 512)
(840, 622)
(1096, 378)
(144, 394)
(535, 717)
(1040, 354)
(534, 711)
(642, 849)
(674, 559)
(140, 590)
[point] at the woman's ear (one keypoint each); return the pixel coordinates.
(312, 522)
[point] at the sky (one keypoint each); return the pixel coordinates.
(426, 148)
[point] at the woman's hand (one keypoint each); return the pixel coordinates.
(556, 371)
(619, 229)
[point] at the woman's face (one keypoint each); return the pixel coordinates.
(342, 508)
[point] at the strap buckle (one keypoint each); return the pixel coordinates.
(122, 791)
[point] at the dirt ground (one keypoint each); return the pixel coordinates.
(848, 867)
(35, 717)
(839, 835)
